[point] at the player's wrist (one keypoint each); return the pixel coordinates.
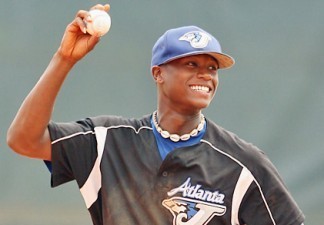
(63, 59)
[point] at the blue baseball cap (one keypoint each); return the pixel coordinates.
(186, 41)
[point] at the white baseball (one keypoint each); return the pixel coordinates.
(100, 23)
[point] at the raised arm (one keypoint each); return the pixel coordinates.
(28, 134)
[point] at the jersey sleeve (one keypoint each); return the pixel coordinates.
(259, 195)
(73, 151)
(268, 201)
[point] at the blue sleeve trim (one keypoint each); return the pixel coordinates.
(48, 165)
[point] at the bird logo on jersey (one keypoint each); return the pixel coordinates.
(197, 39)
(196, 206)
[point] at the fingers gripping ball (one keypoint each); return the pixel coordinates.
(100, 23)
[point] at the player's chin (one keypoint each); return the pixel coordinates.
(205, 106)
(199, 102)
(202, 103)
(205, 102)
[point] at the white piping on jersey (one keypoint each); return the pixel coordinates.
(128, 126)
(247, 170)
(71, 136)
(91, 132)
(91, 187)
(243, 183)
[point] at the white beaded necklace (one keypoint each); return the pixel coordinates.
(176, 137)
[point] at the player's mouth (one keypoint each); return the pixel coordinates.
(200, 88)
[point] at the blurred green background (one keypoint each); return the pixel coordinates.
(273, 96)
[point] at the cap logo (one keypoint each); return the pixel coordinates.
(197, 39)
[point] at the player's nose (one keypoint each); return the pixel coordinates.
(206, 75)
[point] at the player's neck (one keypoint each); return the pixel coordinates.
(177, 123)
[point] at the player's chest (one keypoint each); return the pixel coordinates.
(197, 185)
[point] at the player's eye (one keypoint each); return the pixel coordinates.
(213, 68)
(191, 64)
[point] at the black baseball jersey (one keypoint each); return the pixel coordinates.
(124, 181)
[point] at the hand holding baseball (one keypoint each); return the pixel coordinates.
(76, 41)
(98, 22)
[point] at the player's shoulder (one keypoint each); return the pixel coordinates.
(114, 120)
(230, 143)
(242, 152)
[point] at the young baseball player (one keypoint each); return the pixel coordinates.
(173, 166)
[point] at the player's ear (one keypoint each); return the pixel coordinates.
(157, 74)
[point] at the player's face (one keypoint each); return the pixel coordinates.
(190, 82)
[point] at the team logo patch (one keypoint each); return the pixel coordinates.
(196, 39)
(196, 206)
